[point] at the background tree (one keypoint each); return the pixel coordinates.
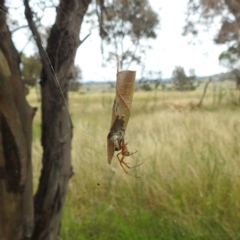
(74, 77)
(30, 70)
(181, 81)
(230, 59)
(227, 15)
(125, 23)
(149, 80)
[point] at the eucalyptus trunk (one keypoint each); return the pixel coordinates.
(61, 49)
(16, 200)
(23, 216)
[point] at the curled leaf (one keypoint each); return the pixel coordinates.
(121, 110)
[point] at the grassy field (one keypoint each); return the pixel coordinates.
(190, 177)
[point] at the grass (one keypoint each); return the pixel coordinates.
(190, 177)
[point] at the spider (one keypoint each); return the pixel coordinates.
(125, 153)
(116, 132)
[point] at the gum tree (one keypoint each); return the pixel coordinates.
(203, 13)
(125, 26)
(23, 216)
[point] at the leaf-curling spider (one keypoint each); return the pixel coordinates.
(125, 153)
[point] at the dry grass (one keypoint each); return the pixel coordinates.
(189, 185)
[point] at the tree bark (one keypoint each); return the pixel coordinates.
(21, 217)
(56, 122)
(16, 205)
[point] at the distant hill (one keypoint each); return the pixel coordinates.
(219, 76)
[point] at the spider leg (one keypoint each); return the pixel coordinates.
(122, 163)
(121, 157)
(121, 160)
(130, 154)
(136, 165)
(129, 167)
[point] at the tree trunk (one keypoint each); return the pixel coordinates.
(56, 122)
(17, 218)
(16, 205)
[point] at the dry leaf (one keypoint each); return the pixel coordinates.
(121, 110)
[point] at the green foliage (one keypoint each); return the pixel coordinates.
(181, 81)
(134, 18)
(230, 59)
(125, 21)
(74, 77)
(157, 83)
(31, 68)
(164, 86)
(149, 80)
(145, 86)
(231, 56)
(226, 13)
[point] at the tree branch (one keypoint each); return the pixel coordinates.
(44, 58)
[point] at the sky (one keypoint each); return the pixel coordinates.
(169, 49)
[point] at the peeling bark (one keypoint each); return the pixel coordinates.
(16, 205)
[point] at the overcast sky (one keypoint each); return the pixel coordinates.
(170, 49)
